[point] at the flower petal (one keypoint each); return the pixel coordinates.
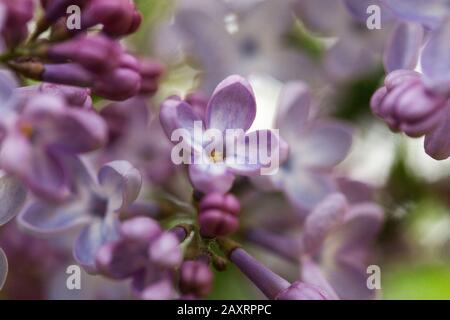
(324, 145)
(258, 152)
(211, 177)
(311, 273)
(427, 12)
(303, 188)
(43, 171)
(8, 96)
(402, 51)
(12, 197)
(3, 268)
(91, 239)
(122, 181)
(153, 284)
(232, 105)
(437, 143)
(293, 108)
(325, 217)
(46, 219)
(436, 59)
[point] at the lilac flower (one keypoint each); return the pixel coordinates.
(226, 39)
(315, 147)
(144, 253)
(334, 246)
(93, 206)
(136, 136)
(38, 137)
(18, 13)
(195, 278)
(231, 106)
(12, 198)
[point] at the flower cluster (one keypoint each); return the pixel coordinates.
(154, 154)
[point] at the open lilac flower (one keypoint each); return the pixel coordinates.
(93, 206)
(12, 198)
(232, 106)
(146, 254)
(226, 39)
(38, 136)
(315, 147)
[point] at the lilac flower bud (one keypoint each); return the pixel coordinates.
(302, 291)
(75, 96)
(67, 73)
(195, 279)
(150, 71)
(18, 14)
(97, 54)
(218, 215)
(407, 105)
(118, 17)
(118, 85)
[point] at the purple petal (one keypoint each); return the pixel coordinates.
(122, 181)
(324, 145)
(67, 129)
(176, 114)
(91, 239)
(3, 268)
(153, 284)
(259, 152)
(436, 59)
(293, 107)
(232, 105)
(210, 177)
(45, 219)
(325, 217)
(8, 96)
(402, 51)
(427, 12)
(42, 170)
(304, 188)
(437, 143)
(12, 197)
(312, 274)
(165, 251)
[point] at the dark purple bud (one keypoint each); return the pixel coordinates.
(119, 85)
(117, 17)
(218, 215)
(69, 74)
(407, 105)
(302, 291)
(150, 71)
(195, 279)
(18, 14)
(98, 54)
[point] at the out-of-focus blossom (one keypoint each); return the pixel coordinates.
(17, 14)
(315, 147)
(37, 138)
(218, 215)
(231, 106)
(195, 278)
(225, 39)
(144, 253)
(94, 206)
(135, 135)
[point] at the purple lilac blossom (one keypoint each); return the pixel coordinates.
(93, 206)
(231, 106)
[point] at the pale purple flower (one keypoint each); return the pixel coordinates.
(95, 206)
(146, 254)
(12, 198)
(231, 106)
(37, 138)
(316, 146)
(224, 38)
